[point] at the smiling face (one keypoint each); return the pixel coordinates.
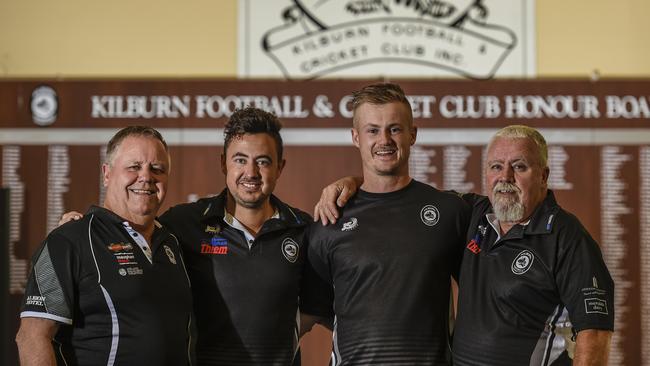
(136, 178)
(252, 168)
(516, 178)
(384, 134)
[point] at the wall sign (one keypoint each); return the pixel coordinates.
(304, 39)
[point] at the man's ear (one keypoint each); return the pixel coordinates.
(355, 137)
(545, 175)
(106, 173)
(414, 134)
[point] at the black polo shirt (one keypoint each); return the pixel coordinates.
(114, 305)
(390, 258)
(522, 297)
(246, 299)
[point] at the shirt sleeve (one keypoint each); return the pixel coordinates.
(50, 288)
(584, 283)
(316, 291)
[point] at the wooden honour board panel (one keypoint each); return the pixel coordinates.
(52, 144)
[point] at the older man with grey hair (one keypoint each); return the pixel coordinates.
(533, 288)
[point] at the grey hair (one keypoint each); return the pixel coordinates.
(525, 132)
(140, 131)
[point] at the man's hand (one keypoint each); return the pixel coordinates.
(69, 216)
(592, 347)
(34, 341)
(334, 196)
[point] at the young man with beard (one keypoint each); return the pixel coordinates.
(246, 255)
(111, 288)
(398, 243)
(533, 288)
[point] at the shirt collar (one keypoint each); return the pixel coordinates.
(216, 209)
(494, 222)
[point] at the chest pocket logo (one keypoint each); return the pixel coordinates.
(429, 215)
(290, 249)
(522, 262)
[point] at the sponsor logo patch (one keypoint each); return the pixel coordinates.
(125, 258)
(170, 254)
(473, 247)
(131, 271)
(430, 215)
(216, 245)
(212, 229)
(594, 305)
(119, 247)
(350, 225)
(522, 262)
(35, 300)
(290, 249)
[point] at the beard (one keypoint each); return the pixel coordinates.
(249, 203)
(507, 208)
(248, 200)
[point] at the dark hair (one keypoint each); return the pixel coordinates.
(252, 120)
(380, 93)
(117, 139)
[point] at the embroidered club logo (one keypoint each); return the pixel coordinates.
(170, 254)
(430, 215)
(290, 250)
(350, 225)
(216, 245)
(522, 262)
(122, 272)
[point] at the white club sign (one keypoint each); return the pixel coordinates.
(305, 39)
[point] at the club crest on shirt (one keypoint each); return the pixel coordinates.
(170, 254)
(430, 215)
(522, 262)
(350, 225)
(290, 249)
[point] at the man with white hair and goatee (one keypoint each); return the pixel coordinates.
(533, 287)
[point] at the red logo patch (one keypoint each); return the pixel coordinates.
(473, 247)
(214, 245)
(209, 249)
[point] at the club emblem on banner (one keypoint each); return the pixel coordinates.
(319, 37)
